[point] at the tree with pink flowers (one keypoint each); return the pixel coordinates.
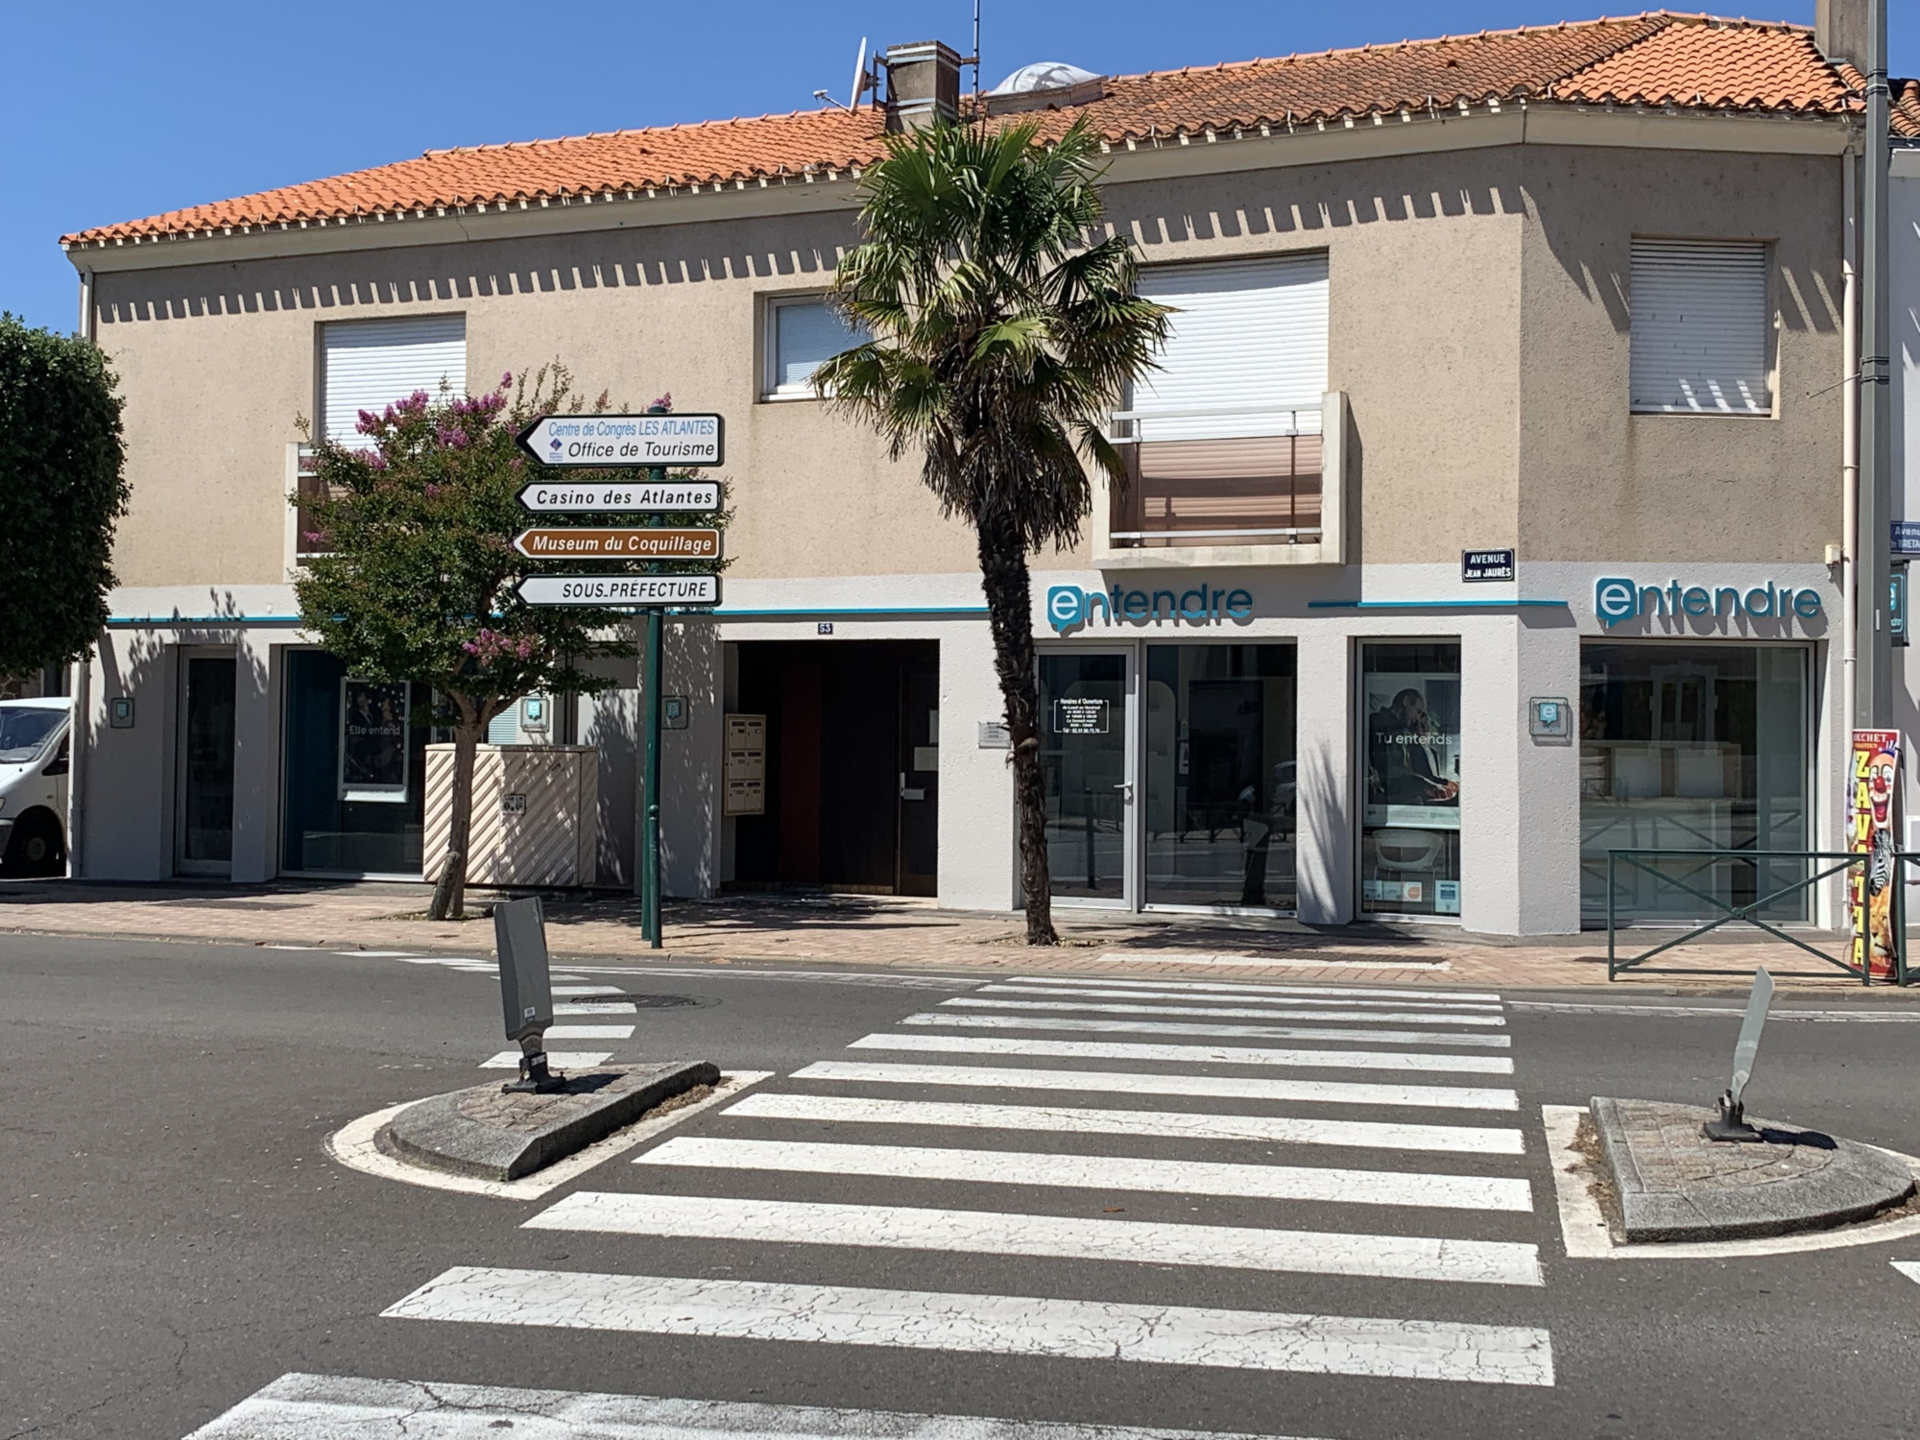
(415, 577)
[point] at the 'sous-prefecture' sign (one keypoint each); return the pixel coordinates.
(619, 590)
(560, 498)
(622, 543)
(614, 440)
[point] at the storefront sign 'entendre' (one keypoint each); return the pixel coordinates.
(1069, 606)
(1617, 600)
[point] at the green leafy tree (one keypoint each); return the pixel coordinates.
(1003, 334)
(61, 491)
(418, 575)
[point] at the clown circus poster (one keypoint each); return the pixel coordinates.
(1870, 820)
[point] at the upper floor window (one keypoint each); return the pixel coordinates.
(1223, 441)
(369, 364)
(1700, 328)
(802, 333)
(1246, 347)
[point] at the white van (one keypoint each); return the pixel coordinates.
(33, 786)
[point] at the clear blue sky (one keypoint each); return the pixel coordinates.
(115, 110)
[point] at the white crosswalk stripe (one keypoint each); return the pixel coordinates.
(1190, 1054)
(1276, 1129)
(986, 1324)
(991, 1232)
(1378, 1017)
(1132, 1099)
(558, 1059)
(1129, 1082)
(1342, 993)
(1100, 1172)
(336, 1407)
(1226, 1032)
(1110, 990)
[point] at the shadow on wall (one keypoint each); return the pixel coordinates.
(130, 778)
(692, 761)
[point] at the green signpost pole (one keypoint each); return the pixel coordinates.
(650, 857)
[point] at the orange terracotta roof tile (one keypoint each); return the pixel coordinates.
(1656, 59)
(1906, 109)
(1742, 67)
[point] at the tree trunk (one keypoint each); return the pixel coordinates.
(467, 736)
(1003, 572)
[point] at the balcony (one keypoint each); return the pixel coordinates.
(1230, 485)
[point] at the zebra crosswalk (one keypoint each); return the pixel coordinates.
(1100, 1209)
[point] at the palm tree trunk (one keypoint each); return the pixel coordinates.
(1003, 572)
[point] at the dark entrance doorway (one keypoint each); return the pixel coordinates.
(853, 765)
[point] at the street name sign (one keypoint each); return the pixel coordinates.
(616, 591)
(621, 497)
(623, 543)
(612, 441)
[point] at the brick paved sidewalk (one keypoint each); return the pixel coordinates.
(875, 932)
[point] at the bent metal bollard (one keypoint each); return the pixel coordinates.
(526, 991)
(1731, 1122)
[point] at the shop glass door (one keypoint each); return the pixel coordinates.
(1219, 818)
(1086, 775)
(203, 834)
(1410, 799)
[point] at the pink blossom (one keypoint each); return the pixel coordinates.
(665, 402)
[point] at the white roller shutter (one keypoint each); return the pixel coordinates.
(1249, 336)
(1700, 327)
(369, 364)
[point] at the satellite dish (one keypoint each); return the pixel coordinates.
(859, 75)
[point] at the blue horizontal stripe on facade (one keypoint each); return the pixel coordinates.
(122, 621)
(1435, 604)
(726, 614)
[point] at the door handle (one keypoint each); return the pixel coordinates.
(1126, 789)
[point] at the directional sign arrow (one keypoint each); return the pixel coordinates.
(623, 544)
(558, 497)
(618, 591)
(625, 441)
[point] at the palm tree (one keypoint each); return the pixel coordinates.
(1003, 334)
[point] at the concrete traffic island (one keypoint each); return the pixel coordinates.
(1670, 1183)
(489, 1133)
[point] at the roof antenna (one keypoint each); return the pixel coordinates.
(976, 54)
(862, 82)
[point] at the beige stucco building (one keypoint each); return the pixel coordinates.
(1499, 437)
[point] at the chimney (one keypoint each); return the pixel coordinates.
(1840, 30)
(923, 85)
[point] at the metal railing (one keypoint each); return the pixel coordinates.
(1818, 866)
(1234, 474)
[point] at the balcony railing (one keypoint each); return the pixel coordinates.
(1236, 475)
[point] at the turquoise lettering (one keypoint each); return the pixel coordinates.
(1694, 600)
(1136, 606)
(1239, 605)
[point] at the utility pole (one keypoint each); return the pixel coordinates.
(1873, 707)
(650, 698)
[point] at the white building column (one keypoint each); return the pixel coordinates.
(1519, 794)
(979, 854)
(1324, 776)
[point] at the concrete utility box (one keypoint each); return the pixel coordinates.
(536, 814)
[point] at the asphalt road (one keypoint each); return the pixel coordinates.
(177, 1237)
